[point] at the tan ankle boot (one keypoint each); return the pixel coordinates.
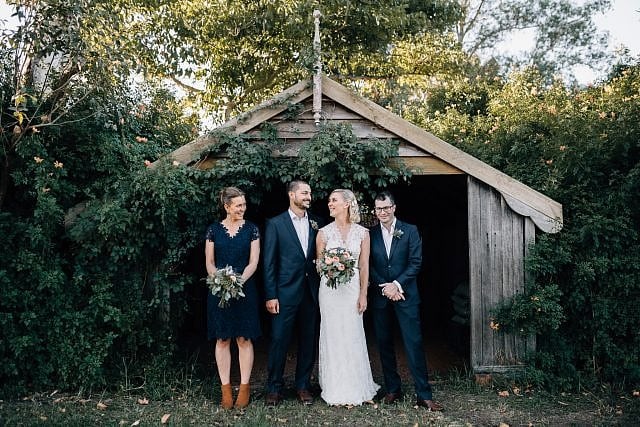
(243, 396)
(227, 396)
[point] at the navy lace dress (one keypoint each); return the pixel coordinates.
(240, 317)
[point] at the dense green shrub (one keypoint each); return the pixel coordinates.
(582, 148)
(77, 281)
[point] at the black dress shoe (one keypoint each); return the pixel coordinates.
(390, 398)
(305, 397)
(273, 399)
(430, 405)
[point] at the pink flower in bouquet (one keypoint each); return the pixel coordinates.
(338, 267)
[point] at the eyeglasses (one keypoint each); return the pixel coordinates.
(387, 209)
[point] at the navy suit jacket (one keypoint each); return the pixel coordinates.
(403, 264)
(286, 269)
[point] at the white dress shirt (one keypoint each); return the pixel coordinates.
(387, 237)
(301, 224)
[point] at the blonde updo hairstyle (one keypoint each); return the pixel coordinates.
(229, 193)
(354, 209)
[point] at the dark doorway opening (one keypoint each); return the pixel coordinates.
(438, 206)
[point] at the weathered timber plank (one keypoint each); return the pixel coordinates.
(529, 240)
(427, 166)
(508, 264)
(474, 209)
(307, 129)
(493, 281)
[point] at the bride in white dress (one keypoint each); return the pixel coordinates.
(344, 370)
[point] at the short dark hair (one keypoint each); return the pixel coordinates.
(293, 185)
(384, 195)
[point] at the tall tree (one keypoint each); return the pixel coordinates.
(244, 51)
(61, 53)
(563, 31)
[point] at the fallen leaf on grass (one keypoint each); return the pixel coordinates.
(636, 393)
(164, 418)
(562, 403)
(143, 401)
(516, 390)
(101, 406)
(503, 425)
(503, 393)
(135, 423)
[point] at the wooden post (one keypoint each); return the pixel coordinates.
(317, 76)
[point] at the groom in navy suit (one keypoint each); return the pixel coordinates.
(291, 291)
(395, 261)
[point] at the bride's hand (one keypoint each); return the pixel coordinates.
(362, 304)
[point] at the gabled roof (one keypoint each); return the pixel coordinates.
(545, 212)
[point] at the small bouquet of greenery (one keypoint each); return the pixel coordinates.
(226, 284)
(337, 265)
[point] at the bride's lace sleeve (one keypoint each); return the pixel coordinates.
(322, 235)
(362, 232)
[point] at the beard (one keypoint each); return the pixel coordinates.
(302, 204)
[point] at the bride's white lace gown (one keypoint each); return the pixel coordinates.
(344, 370)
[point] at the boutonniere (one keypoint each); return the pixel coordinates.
(397, 234)
(314, 224)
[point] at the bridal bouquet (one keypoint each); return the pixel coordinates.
(226, 284)
(337, 265)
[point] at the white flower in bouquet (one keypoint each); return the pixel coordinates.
(226, 284)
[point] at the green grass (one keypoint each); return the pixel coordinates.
(197, 403)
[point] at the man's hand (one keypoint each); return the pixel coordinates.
(273, 306)
(391, 291)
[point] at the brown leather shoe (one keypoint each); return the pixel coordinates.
(243, 396)
(430, 405)
(273, 399)
(227, 396)
(305, 397)
(390, 398)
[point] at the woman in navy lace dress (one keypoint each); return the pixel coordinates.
(234, 242)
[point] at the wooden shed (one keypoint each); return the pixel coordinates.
(477, 222)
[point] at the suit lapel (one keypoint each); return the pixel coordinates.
(311, 250)
(394, 241)
(377, 234)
